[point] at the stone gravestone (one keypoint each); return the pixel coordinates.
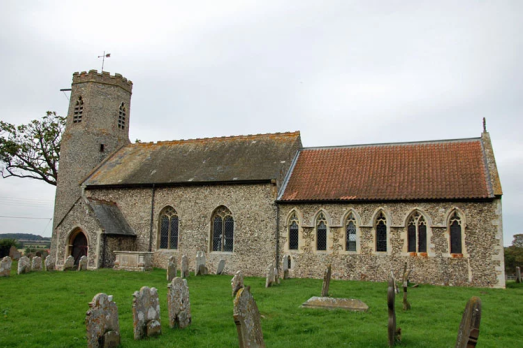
(49, 263)
(221, 267)
(36, 264)
(271, 278)
(237, 282)
(69, 263)
(178, 303)
(326, 281)
(24, 265)
(5, 267)
(247, 319)
(101, 320)
(286, 259)
(406, 304)
(14, 254)
(201, 268)
(391, 297)
(276, 276)
(82, 264)
(518, 275)
(146, 313)
(468, 333)
(171, 269)
(185, 267)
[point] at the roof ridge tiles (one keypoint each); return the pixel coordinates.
(423, 142)
(219, 138)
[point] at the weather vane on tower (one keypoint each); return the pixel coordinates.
(108, 55)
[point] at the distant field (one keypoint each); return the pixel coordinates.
(48, 310)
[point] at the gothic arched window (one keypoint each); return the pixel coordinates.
(417, 234)
(381, 232)
(321, 232)
(455, 234)
(350, 233)
(121, 116)
(222, 230)
(78, 110)
(293, 232)
(169, 228)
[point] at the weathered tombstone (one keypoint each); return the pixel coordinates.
(5, 267)
(237, 282)
(185, 267)
(101, 320)
(326, 281)
(171, 269)
(221, 267)
(391, 297)
(36, 264)
(146, 313)
(286, 259)
(468, 333)
(82, 264)
(276, 276)
(406, 304)
(69, 263)
(49, 263)
(24, 265)
(518, 275)
(201, 268)
(179, 303)
(271, 278)
(14, 254)
(247, 319)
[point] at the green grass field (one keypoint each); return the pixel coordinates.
(47, 309)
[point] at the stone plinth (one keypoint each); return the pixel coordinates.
(133, 261)
(336, 303)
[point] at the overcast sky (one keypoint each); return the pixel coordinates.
(341, 72)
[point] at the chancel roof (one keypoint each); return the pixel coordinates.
(110, 218)
(250, 158)
(447, 169)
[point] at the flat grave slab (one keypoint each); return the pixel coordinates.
(336, 303)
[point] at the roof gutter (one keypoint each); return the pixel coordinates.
(184, 183)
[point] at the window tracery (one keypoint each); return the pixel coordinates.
(455, 234)
(121, 116)
(350, 231)
(78, 110)
(293, 232)
(222, 230)
(417, 233)
(321, 232)
(169, 229)
(381, 232)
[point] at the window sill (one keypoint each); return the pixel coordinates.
(221, 252)
(456, 256)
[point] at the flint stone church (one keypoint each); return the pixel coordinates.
(250, 200)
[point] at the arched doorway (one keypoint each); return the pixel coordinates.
(78, 245)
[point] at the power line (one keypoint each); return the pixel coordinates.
(24, 217)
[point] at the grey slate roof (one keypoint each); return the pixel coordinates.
(248, 158)
(110, 218)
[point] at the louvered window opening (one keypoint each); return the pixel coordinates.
(121, 117)
(417, 234)
(455, 235)
(293, 234)
(169, 229)
(78, 110)
(381, 233)
(350, 237)
(223, 231)
(321, 233)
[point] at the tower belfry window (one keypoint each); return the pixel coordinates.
(121, 117)
(78, 110)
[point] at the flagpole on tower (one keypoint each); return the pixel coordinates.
(108, 55)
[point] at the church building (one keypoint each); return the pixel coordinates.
(250, 200)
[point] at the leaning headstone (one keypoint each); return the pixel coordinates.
(178, 303)
(101, 320)
(185, 267)
(49, 263)
(237, 282)
(518, 275)
(82, 264)
(36, 264)
(391, 297)
(326, 281)
(146, 313)
(247, 319)
(221, 267)
(5, 267)
(14, 254)
(171, 269)
(271, 278)
(286, 259)
(406, 304)
(24, 265)
(69, 263)
(468, 333)
(276, 276)
(201, 267)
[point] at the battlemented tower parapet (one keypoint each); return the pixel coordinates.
(104, 78)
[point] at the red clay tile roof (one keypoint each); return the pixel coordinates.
(451, 169)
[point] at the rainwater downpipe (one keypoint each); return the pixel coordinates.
(152, 216)
(277, 236)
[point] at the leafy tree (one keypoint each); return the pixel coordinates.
(32, 150)
(5, 245)
(514, 254)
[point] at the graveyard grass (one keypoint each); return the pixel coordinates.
(47, 309)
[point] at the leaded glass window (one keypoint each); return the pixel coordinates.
(293, 232)
(222, 230)
(121, 116)
(350, 237)
(78, 110)
(321, 232)
(417, 234)
(169, 229)
(455, 234)
(381, 232)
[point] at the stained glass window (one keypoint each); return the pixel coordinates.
(417, 234)
(222, 230)
(321, 232)
(455, 234)
(169, 225)
(350, 238)
(293, 233)
(381, 232)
